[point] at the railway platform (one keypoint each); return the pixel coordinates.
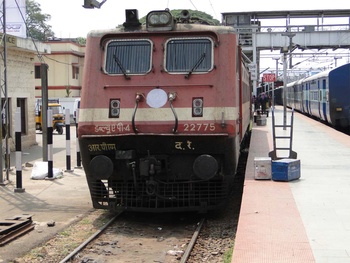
(304, 220)
(52, 204)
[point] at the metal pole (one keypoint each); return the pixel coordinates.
(284, 90)
(273, 85)
(68, 154)
(2, 179)
(49, 145)
(18, 139)
(255, 82)
(5, 107)
(273, 96)
(77, 142)
(44, 106)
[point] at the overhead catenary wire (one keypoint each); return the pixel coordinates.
(212, 8)
(193, 5)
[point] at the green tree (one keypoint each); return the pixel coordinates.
(194, 17)
(81, 40)
(37, 26)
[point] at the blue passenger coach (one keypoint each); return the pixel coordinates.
(339, 96)
(325, 96)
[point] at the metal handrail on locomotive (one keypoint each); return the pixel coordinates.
(164, 109)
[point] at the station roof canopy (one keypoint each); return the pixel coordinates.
(292, 14)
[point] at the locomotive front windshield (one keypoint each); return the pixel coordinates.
(182, 55)
(128, 57)
(189, 55)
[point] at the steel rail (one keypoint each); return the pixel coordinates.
(91, 238)
(192, 242)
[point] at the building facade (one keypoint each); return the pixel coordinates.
(17, 86)
(65, 60)
(65, 67)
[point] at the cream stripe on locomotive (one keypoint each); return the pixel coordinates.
(160, 114)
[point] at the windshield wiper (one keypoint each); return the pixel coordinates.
(199, 61)
(120, 65)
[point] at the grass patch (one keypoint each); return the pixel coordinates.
(227, 257)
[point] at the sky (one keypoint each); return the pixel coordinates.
(70, 20)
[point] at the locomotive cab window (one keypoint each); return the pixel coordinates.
(189, 55)
(128, 57)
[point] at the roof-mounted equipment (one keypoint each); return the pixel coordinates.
(160, 21)
(131, 18)
(93, 4)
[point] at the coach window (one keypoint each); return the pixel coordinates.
(128, 57)
(189, 55)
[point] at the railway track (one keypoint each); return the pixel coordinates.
(150, 238)
(142, 237)
(90, 239)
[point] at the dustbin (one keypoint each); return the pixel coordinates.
(261, 120)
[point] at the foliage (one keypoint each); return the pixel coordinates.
(68, 91)
(38, 29)
(227, 257)
(81, 41)
(198, 15)
(194, 16)
(37, 26)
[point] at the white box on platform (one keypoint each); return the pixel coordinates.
(262, 167)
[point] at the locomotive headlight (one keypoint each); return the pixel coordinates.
(205, 167)
(164, 18)
(101, 167)
(159, 21)
(197, 107)
(114, 108)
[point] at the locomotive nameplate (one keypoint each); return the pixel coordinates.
(108, 129)
(100, 147)
(185, 128)
(186, 145)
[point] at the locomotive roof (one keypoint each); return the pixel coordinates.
(178, 28)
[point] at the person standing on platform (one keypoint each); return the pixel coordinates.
(255, 102)
(263, 101)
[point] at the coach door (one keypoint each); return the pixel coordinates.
(303, 108)
(324, 99)
(307, 98)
